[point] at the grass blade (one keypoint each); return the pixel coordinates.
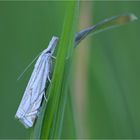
(63, 50)
(106, 24)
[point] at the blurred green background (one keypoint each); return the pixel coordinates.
(106, 90)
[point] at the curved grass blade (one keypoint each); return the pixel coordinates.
(106, 24)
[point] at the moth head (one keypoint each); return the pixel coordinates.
(52, 45)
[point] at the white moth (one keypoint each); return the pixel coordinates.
(31, 100)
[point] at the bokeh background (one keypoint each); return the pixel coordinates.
(106, 74)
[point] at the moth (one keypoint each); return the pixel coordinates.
(32, 98)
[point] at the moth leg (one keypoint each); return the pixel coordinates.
(53, 57)
(45, 97)
(49, 79)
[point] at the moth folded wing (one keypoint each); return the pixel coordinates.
(34, 74)
(38, 90)
(30, 94)
(40, 84)
(40, 81)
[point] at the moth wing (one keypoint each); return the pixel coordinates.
(33, 94)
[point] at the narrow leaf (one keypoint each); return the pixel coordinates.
(106, 24)
(54, 94)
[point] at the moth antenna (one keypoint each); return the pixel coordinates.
(27, 67)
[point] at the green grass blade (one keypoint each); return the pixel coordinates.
(63, 49)
(36, 131)
(106, 24)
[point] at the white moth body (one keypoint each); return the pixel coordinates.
(31, 100)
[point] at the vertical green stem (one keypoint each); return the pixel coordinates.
(65, 48)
